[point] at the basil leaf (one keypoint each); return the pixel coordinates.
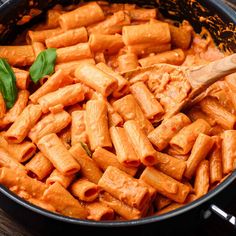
(85, 147)
(7, 83)
(43, 65)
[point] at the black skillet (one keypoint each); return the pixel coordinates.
(220, 20)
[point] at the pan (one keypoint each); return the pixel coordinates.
(220, 20)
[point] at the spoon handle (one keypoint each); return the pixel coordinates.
(208, 74)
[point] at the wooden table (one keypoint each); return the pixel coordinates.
(9, 227)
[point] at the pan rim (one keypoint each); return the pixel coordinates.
(231, 15)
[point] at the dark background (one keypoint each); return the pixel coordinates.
(214, 226)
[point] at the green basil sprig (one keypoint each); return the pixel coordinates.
(43, 65)
(85, 147)
(7, 83)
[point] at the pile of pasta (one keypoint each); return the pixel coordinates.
(87, 142)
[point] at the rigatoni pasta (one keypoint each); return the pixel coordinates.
(51, 123)
(123, 146)
(57, 176)
(100, 81)
(88, 135)
(20, 128)
(52, 147)
(97, 124)
(130, 190)
(39, 166)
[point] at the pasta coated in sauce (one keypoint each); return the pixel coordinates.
(89, 139)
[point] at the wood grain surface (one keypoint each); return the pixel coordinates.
(9, 227)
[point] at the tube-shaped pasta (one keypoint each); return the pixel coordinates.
(158, 33)
(140, 143)
(213, 109)
(171, 207)
(162, 135)
(201, 148)
(70, 67)
(99, 57)
(114, 119)
(180, 37)
(124, 150)
(40, 166)
(84, 190)
(78, 128)
(58, 177)
(127, 62)
(228, 150)
(89, 168)
(152, 191)
(191, 197)
(57, 80)
(17, 108)
(232, 101)
(172, 153)
(20, 151)
(142, 14)
(124, 210)
(23, 123)
(215, 161)
(170, 165)
(68, 38)
(104, 159)
(22, 78)
(18, 55)
(151, 108)
(42, 35)
(99, 211)
(18, 181)
(76, 107)
(65, 136)
(165, 185)
(161, 201)
(82, 16)
(38, 47)
(186, 182)
(124, 187)
(52, 147)
(143, 49)
(183, 141)
(6, 160)
(95, 78)
(72, 53)
(196, 113)
(53, 18)
(2, 106)
(123, 84)
(97, 124)
(109, 44)
(111, 25)
(52, 123)
(202, 179)
(42, 204)
(129, 109)
(64, 202)
(174, 57)
(65, 96)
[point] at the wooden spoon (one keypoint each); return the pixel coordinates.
(190, 81)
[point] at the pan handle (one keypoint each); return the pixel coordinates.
(222, 214)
